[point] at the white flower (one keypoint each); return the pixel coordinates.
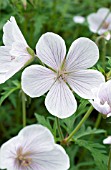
(107, 140)
(14, 55)
(79, 19)
(102, 99)
(33, 149)
(100, 22)
(62, 73)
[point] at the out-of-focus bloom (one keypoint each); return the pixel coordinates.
(100, 22)
(107, 35)
(62, 72)
(102, 99)
(33, 149)
(107, 140)
(14, 55)
(79, 19)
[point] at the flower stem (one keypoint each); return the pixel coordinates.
(59, 129)
(98, 121)
(109, 161)
(80, 124)
(24, 109)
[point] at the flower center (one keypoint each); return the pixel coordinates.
(105, 25)
(23, 158)
(62, 75)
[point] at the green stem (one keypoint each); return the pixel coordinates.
(109, 161)
(59, 129)
(24, 109)
(98, 121)
(80, 124)
(103, 57)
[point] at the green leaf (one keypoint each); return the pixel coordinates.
(98, 152)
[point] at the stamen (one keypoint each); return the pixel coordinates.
(105, 25)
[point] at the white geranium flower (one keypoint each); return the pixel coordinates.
(79, 19)
(14, 55)
(33, 149)
(107, 140)
(100, 22)
(102, 99)
(62, 73)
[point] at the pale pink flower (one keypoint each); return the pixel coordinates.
(107, 140)
(33, 149)
(102, 98)
(62, 71)
(100, 22)
(14, 55)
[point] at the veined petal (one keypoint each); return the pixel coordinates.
(51, 50)
(102, 108)
(56, 159)
(37, 80)
(83, 81)
(104, 92)
(8, 153)
(60, 100)
(12, 33)
(82, 54)
(37, 138)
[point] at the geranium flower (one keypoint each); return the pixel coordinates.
(107, 140)
(79, 19)
(102, 99)
(33, 149)
(100, 22)
(62, 72)
(14, 55)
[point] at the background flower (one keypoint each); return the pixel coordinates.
(33, 149)
(79, 19)
(14, 55)
(100, 22)
(62, 71)
(107, 140)
(102, 99)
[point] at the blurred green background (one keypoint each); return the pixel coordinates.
(34, 18)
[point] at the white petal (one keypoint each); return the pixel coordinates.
(107, 140)
(37, 80)
(8, 153)
(12, 33)
(51, 50)
(82, 54)
(60, 101)
(83, 81)
(36, 138)
(95, 20)
(78, 19)
(102, 108)
(104, 92)
(56, 159)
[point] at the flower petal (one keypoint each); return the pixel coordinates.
(51, 50)
(8, 153)
(12, 33)
(107, 140)
(83, 81)
(56, 159)
(104, 92)
(95, 20)
(36, 138)
(82, 54)
(60, 101)
(37, 80)
(102, 108)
